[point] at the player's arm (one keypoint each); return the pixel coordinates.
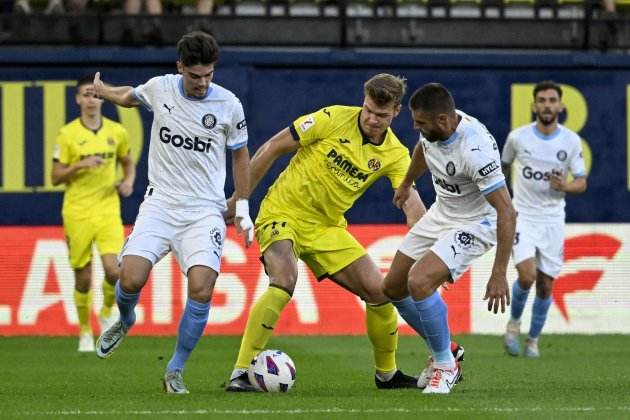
(559, 183)
(497, 289)
(62, 173)
(125, 188)
(413, 208)
(241, 176)
(264, 158)
(417, 166)
(119, 95)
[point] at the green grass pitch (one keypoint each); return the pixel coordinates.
(577, 377)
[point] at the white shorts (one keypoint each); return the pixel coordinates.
(545, 242)
(195, 236)
(457, 243)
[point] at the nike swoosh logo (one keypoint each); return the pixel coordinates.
(104, 350)
(394, 332)
(267, 327)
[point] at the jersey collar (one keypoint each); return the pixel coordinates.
(543, 136)
(180, 84)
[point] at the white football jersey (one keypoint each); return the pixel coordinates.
(534, 156)
(465, 168)
(189, 138)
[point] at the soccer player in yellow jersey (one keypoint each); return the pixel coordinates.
(86, 155)
(339, 152)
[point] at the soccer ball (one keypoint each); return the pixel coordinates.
(272, 371)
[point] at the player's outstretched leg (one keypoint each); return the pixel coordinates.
(83, 303)
(260, 324)
(191, 326)
(111, 338)
(511, 339)
(382, 328)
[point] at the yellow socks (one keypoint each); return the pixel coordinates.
(109, 298)
(382, 328)
(260, 324)
(83, 302)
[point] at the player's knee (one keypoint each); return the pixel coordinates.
(421, 286)
(394, 290)
(525, 281)
(285, 281)
(112, 274)
(130, 281)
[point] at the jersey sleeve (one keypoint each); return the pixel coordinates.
(61, 151)
(577, 165)
(237, 134)
(123, 142)
(399, 169)
(485, 168)
(509, 151)
(309, 128)
(146, 92)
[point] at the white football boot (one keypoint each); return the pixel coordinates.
(86, 342)
(443, 380)
(511, 339)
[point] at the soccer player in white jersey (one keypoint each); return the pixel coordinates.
(471, 214)
(543, 153)
(194, 122)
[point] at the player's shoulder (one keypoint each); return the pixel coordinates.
(569, 135)
(112, 125)
(221, 93)
(522, 131)
(339, 112)
(471, 130)
(71, 127)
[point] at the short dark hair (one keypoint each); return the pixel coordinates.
(546, 85)
(88, 79)
(433, 98)
(385, 88)
(197, 47)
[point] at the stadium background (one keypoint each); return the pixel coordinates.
(591, 296)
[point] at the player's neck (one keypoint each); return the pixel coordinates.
(546, 129)
(92, 122)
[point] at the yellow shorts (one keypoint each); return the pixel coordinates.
(106, 231)
(325, 249)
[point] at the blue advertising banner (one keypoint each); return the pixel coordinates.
(38, 98)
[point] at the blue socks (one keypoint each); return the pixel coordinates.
(126, 303)
(519, 298)
(191, 326)
(407, 309)
(433, 315)
(539, 316)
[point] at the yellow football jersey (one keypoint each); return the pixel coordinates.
(91, 191)
(333, 167)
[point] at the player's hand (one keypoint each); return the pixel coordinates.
(557, 181)
(497, 292)
(401, 195)
(98, 84)
(243, 222)
(228, 215)
(125, 189)
(91, 162)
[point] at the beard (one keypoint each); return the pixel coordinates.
(547, 118)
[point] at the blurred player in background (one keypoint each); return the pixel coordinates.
(340, 151)
(543, 152)
(471, 214)
(194, 123)
(86, 155)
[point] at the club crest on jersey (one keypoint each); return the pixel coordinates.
(561, 155)
(209, 121)
(217, 238)
(374, 164)
(450, 168)
(464, 239)
(110, 141)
